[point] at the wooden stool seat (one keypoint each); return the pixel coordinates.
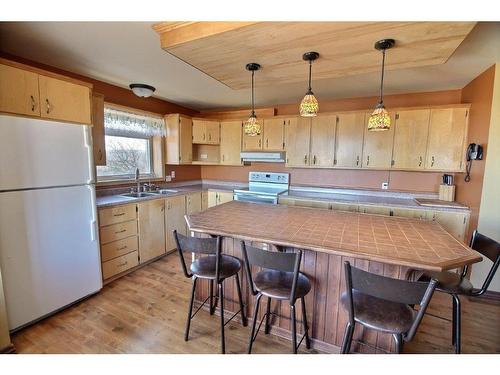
(380, 314)
(204, 267)
(278, 284)
(449, 282)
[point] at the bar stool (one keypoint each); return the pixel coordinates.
(280, 279)
(457, 284)
(382, 303)
(215, 267)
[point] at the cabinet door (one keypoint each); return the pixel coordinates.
(349, 140)
(322, 141)
(151, 229)
(454, 223)
(410, 139)
(199, 131)
(377, 210)
(411, 213)
(213, 132)
(175, 209)
(447, 130)
(204, 200)
(274, 133)
(298, 137)
(98, 138)
(193, 203)
(377, 146)
(19, 91)
(213, 197)
(185, 141)
(224, 197)
(62, 100)
(351, 207)
(252, 143)
(230, 142)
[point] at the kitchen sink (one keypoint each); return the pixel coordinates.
(166, 191)
(138, 195)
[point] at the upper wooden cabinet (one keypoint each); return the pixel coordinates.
(252, 143)
(446, 144)
(322, 141)
(230, 142)
(179, 146)
(410, 139)
(298, 137)
(61, 100)
(206, 132)
(25, 91)
(377, 146)
(98, 138)
(274, 134)
(19, 91)
(349, 139)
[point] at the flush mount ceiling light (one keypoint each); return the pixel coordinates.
(252, 126)
(309, 105)
(381, 120)
(142, 90)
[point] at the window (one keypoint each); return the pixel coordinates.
(130, 144)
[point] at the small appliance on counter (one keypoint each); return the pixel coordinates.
(447, 189)
(263, 187)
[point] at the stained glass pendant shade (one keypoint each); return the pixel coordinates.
(380, 119)
(309, 106)
(252, 126)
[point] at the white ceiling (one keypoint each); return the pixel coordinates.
(124, 52)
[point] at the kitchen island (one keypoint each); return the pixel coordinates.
(388, 245)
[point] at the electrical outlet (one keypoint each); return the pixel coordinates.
(168, 178)
(172, 174)
(385, 185)
(204, 156)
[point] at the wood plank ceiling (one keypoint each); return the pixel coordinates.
(222, 49)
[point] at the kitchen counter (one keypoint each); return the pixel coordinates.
(419, 244)
(387, 245)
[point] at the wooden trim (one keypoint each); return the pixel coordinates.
(18, 65)
(238, 114)
(123, 108)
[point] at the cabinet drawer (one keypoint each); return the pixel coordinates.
(118, 231)
(119, 214)
(115, 266)
(118, 248)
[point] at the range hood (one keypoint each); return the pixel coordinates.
(263, 157)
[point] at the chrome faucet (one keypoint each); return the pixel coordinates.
(137, 180)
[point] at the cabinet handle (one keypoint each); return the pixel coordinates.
(122, 248)
(48, 105)
(368, 160)
(420, 161)
(260, 143)
(123, 264)
(121, 231)
(432, 161)
(314, 159)
(392, 162)
(305, 159)
(267, 142)
(222, 157)
(203, 136)
(99, 153)
(120, 214)
(32, 103)
(357, 160)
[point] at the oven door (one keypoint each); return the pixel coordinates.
(256, 198)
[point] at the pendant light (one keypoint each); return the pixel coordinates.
(309, 106)
(381, 120)
(252, 126)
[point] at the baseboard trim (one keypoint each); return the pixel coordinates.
(489, 296)
(9, 349)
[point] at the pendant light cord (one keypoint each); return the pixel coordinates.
(382, 79)
(253, 104)
(310, 73)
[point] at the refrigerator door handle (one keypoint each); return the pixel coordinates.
(90, 153)
(93, 230)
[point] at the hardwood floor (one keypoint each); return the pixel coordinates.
(145, 312)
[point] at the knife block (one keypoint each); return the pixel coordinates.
(447, 193)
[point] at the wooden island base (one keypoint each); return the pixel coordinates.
(326, 317)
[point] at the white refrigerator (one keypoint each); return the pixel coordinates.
(49, 246)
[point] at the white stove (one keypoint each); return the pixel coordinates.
(263, 187)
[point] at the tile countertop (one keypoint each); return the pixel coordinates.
(414, 243)
(112, 197)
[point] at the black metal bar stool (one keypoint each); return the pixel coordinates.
(382, 303)
(457, 284)
(215, 267)
(280, 279)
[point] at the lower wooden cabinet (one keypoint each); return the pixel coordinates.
(175, 209)
(151, 223)
(204, 200)
(455, 223)
(377, 210)
(218, 197)
(118, 265)
(118, 248)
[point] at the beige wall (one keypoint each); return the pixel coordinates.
(489, 214)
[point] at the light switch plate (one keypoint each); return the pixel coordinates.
(204, 156)
(168, 178)
(172, 174)
(385, 185)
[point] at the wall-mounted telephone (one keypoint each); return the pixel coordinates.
(474, 152)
